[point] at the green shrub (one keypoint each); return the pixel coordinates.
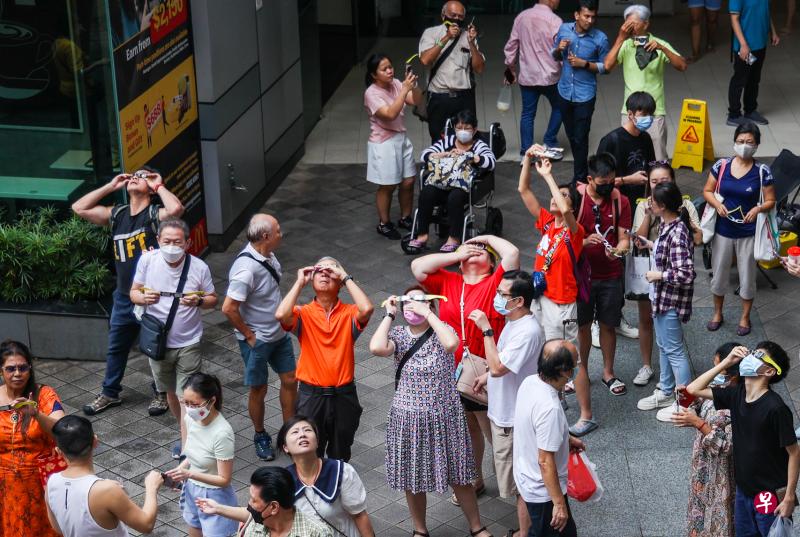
(42, 258)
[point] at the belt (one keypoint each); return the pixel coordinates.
(327, 390)
(454, 93)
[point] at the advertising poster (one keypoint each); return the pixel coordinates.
(156, 99)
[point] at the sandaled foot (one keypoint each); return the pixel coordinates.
(479, 531)
(713, 325)
(415, 243)
(583, 427)
(743, 330)
(420, 533)
(448, 248)
(615, 386)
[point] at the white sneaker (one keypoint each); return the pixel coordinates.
(658, 385)
(643, 376)
(625, 329)
(665, 414)
(595, 335)
(658, 400)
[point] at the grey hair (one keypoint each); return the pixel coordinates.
(258, 227)
(176, 223)
(331, 259)
(641, 12)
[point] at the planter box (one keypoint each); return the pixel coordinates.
(57, 330)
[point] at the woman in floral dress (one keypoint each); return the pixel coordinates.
(427, 443)
(711, 485)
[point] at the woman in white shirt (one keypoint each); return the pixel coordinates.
(329, 490)
(206, 471)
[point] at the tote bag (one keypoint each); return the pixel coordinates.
(766, 241)
(636, 285)
(708, 221)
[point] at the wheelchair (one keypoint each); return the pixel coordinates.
(481, 193)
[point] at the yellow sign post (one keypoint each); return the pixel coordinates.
(693, 140)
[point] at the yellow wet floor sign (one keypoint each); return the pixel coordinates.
(693, 142)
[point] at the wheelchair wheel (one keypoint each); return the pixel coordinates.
(406, 247)
(494, 221)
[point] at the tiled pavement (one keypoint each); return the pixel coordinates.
(328, 210)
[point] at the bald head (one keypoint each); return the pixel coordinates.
(454, 10)
(559, 358)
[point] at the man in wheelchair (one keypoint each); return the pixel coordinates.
(449, 167)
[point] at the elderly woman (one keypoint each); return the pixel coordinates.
(452, 161)
(426, 428)
(739, 188)
(28, 412)
(483, 261)
(328, 490)
(643, 57)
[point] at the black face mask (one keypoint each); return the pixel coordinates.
(604, 190)
(257, 518)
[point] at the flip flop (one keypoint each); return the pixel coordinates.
(448, 248)
(414, 243)
(583, 427)
(615, 384)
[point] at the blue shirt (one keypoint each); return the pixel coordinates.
(580, 85)
(754, 19)
(743, 192)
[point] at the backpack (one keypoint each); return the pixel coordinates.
(152, 216)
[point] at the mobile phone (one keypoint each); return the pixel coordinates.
(170, 483)
(409, 69)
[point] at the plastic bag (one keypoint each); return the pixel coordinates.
(781, 527)
(582, 481)
(504, 99)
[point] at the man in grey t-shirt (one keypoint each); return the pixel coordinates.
(252, 298)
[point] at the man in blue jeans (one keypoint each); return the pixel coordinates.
(134, 227)
(253, 297)
(766, 457)
(531, 42)
(582, 50)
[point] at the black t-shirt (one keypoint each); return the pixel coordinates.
(632, 153)
(761, 432)
(131, 235)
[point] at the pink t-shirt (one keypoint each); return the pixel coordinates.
(376, 98)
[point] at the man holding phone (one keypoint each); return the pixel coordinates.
(134, 227)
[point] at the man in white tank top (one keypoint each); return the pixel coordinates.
(80, 504)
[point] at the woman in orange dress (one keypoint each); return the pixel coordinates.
(27, 414)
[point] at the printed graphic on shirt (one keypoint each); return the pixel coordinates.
(131, 245)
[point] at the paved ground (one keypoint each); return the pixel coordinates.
(328, 210)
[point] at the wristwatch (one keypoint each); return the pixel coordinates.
(346, 279)
(488, 333)
(390, 315)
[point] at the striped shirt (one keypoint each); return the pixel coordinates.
(479, 148)
(674, 257)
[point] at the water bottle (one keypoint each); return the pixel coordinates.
(504, 99)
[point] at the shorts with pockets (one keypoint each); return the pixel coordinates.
(605, 303)
(171, 373)
(211, 525)
(278, 354)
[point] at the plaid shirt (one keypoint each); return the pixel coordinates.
(302, 526)
(674, 257)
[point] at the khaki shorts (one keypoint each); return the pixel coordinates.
(552, 317)
(503, 448)
(171, 373)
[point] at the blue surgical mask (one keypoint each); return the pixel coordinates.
(749, 365)
(643, 123)
(500, 305)
(719, 380)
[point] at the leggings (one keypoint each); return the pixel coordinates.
(455, 199)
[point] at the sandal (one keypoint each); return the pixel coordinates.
(616, 386)
(420, 533)
(743, 330)
(511, 532)
(569, 388)
(414, 243)
(713, 326)
(479, 531)
(448, 248)
(583, 427)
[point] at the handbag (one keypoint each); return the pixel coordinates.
(153, 333)
(471, 366)
(409, 353)
(447, 173)
(708, 222)
(49, 464)
(766, 241)
(636, 285)
(421, 110)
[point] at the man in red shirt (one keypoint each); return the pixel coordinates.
(605, 217)
(477, 285)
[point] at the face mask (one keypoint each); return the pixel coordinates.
(171, 253)
(749, 365)
(500, 305)
(643, 123)
(257, 518)
(198, 414)
(604, 190)
(414, 319)
(464, 136)
(719, 380)
(745, 151)
(455, 22)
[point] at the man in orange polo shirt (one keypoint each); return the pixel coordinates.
(327, 330)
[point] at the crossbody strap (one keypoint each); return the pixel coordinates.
(572, 257)
(264, 264)
(410, 352)
(175, 301)
(439, 61)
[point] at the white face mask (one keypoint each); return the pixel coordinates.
(172, 253)
(745, 151)
(199, 413)
(464, 136)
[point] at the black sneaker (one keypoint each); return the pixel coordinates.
(734, 121)
(100, 403)
(755, 117)
(405, 223)
(388, 231)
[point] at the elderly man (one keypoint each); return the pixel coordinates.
(531, 42)
(643, 57)
(327, 330)
(174, 286)
(451, 52)
(134, 227)
(542, 442)
(252, 298)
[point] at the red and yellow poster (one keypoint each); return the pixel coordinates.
(156, 99)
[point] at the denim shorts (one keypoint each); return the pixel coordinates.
(278, 354)
(711, 5)
(212, 525)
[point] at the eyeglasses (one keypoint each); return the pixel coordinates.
(736, 220)
(507, 296)
(11, 369)
(190, 405)
(608, 246)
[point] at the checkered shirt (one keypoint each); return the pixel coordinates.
(674, 257)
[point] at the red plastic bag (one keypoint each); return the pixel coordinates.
(582, 482)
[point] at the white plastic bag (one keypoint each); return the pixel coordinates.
(593, 469)
(504, 99)
(781, 527)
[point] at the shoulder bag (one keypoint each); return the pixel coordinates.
(410, 352)
(153, 333)
(766, 241)
(421, 110)
(471, 366)
(264, 264)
